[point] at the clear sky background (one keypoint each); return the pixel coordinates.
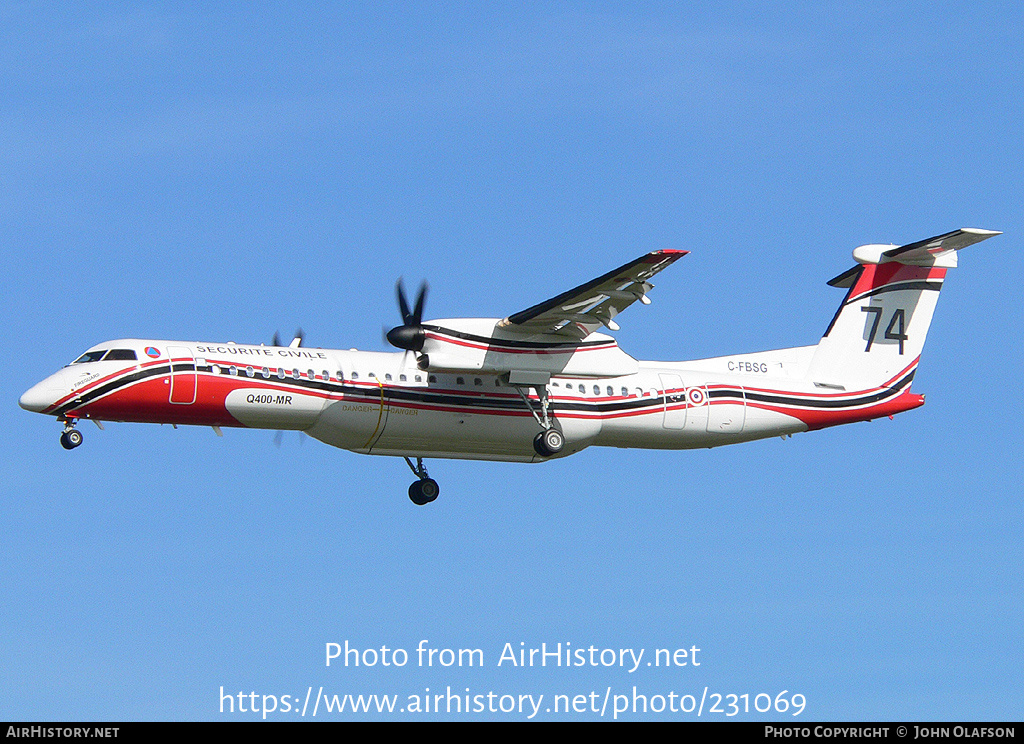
(180, 172)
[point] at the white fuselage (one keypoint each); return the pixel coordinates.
(382, 403)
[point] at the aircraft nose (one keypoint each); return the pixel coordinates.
(37, 398)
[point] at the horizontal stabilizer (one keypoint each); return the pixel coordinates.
(939, 252)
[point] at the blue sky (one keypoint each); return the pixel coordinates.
(175, 171)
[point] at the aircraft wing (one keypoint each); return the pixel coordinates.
(581, 311)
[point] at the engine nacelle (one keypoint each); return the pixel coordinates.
(480, 345)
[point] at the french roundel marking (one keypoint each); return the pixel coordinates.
(695, 396)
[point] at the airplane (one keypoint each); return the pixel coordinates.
(540, 384)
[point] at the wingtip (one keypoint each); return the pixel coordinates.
(673, 253)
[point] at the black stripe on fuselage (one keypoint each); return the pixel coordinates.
(864, 400)
(515, 343)
(396, 395)
(112, 385)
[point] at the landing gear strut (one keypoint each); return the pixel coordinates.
(551, 440)
(71, 437)
(424, 490)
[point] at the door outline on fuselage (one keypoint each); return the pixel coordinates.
(720, 422)
(183, 375)
(674, 395)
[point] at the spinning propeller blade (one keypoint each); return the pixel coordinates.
(295, 343)
(409, 335)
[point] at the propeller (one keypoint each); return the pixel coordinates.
(409, 335)
(296, 342)
(279, 438)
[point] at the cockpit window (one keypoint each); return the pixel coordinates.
(107, 355)
(90, 356)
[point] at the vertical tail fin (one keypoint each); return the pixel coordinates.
(876, 336)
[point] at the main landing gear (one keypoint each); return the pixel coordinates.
(551, 440)
(71, 437)
(424, 490)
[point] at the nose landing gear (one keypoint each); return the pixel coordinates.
(424, 490)
(71, 437)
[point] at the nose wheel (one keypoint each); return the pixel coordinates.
(424, 490)
(71, 438)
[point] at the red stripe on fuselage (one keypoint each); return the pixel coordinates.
(502, 349)
(147, 401)
(100, 381)
(819, 419)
